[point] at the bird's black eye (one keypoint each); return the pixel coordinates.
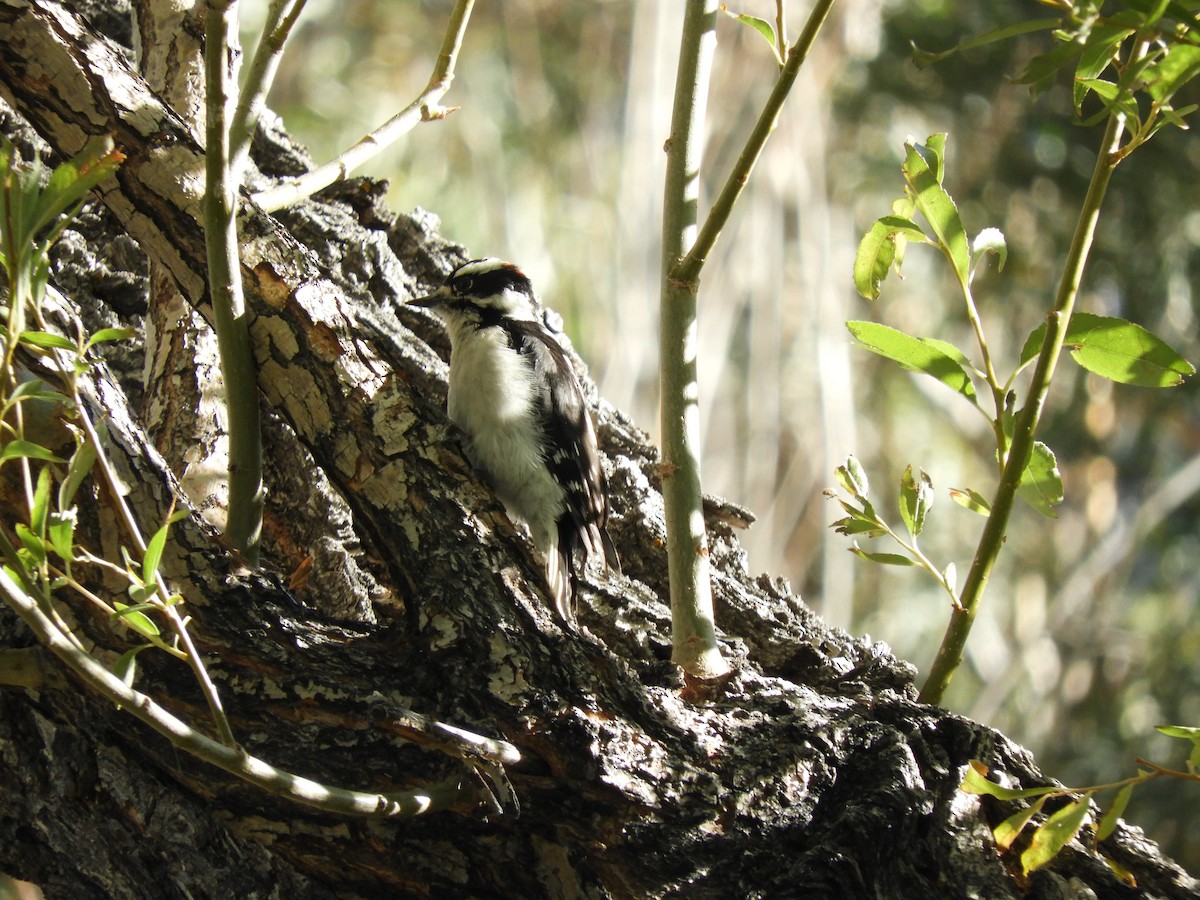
(464, 285)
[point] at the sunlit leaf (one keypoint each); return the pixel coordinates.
(125, 667)
(154, 552)
(110, 334)
(35, 389)
(1111, 815)
(1055, 833)
(1010, 829)
(934, 203)
(1117, 350)
(990, 240)
(78, 469)
(856, 526)
(27, 449)
(1180, 65)
(887, 559)
(972, 500)
(762, 26)
(880, 249)
(1120, 871)
(916, 497)
(853, 478)
(950, 576)
(913, 353)
(135, 618)
(976, 782)
(48, 340)
(1041, 482)
(1101, 47)
(61, 531)
(1187, 733)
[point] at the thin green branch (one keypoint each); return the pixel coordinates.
(950, 653)
(260, 75)
(685, 251)
(211, 696)
(425, 108)
(243, 527)
(693, 628)
(689, 268)
(457, 793)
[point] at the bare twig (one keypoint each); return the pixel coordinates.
(425, 108)
(281, 18)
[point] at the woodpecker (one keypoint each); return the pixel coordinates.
(528, 430)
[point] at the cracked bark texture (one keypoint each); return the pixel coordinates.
(810, 772)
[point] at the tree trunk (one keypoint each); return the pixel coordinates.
(811, 771)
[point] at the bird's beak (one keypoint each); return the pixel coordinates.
(441, 295)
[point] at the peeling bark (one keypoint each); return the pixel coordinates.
(811, 771)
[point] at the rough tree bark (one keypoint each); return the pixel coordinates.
(810, 772)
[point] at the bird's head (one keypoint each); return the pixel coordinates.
(480, 290)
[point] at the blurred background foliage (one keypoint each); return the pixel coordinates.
(1088, 636)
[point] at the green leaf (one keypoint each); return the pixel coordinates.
(972, 500)
(887, 559)
(934, 203)
(1179, 66)
(154, 552)
(1010, 829)
(1040, 72)
(78, 469)
(853, 478)
(916, 497)
(924, 58)
(140, 592)
(61, 531)
(880, 248)
(950, 576)
(27, 449)
(48, 340)
(1100, 49)
(915, 354)
(1188, 734)
(1041, 482)
(990, 240)
(762, 26)
(855, 525)
(1111, 815)
(976, 782)
(1129, 354)
(35, 389)
(1055, 833)
(1118, 350)
(70, 182)
(109, 334)
(136, 619)
(33, 544)
(41, 501)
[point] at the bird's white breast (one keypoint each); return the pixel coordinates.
(492, 398)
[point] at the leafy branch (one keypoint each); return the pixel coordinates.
(1132, 63)
(41, 554)
(1057, 829)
